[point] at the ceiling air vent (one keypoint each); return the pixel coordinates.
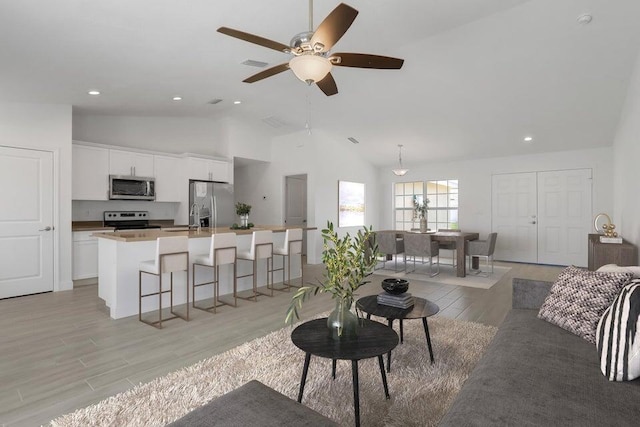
(215, 101)
(352, 139)
(252, 63)
(274, 122)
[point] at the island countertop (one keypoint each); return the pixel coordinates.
(153, 233)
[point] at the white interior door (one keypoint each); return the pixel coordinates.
(296, 203)
(514, 198)
(564, 216)
(26, 222)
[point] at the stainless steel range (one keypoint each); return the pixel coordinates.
(127, 220)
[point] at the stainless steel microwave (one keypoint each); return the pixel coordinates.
(131, 188)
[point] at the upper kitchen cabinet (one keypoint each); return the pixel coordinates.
(130, 163)
(169, 178)
(209, 170)
(90, 173)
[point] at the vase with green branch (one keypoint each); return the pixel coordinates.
(420, 212)
(348, 261)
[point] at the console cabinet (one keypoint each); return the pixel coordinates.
(601, 254)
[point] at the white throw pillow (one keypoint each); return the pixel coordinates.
(615, 268)
(618, 336)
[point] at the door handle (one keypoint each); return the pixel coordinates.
(532, 222)
(47, 228)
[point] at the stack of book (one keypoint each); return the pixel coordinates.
(404, 300)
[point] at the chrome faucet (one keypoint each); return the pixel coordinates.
(195, 213)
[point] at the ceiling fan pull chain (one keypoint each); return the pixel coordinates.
(308, 125)
(310, 15)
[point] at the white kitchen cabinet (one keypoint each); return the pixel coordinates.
(90, 171)
(130, 163)
(85, 254)
(209, 170)
(170, 183)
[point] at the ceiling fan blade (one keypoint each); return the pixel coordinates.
(267, 73)
(334, 26)
(255, 39)
(363, 60)
(328, 85)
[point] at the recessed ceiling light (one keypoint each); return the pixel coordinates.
(94, 92)
(584, 19)
(177, 98)
(528, 139)
(237, 102)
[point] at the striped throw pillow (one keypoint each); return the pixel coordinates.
(618, 336)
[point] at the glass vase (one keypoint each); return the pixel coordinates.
(423, 225)
(244, 220)
(342, 322)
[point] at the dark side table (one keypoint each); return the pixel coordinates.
(373, 340)
(421, 310)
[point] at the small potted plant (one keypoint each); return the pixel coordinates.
(243, 210)
(348, 261)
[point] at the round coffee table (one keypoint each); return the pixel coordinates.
(421, 310)
(373, 340)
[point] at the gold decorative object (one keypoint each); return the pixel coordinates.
(607, 229)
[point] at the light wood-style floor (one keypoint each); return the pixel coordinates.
(61, 351)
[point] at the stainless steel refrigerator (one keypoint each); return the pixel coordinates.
(212, 203)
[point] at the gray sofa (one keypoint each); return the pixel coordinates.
(535, 373)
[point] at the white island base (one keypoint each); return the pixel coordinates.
(118, 274)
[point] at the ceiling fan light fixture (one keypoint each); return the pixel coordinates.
(310, 68)
(400, 171)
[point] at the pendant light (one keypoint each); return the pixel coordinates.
(400, 171)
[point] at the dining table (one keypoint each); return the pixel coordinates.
(460, 239)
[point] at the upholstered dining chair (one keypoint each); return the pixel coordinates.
(390, 244)
(449, 246)
(421, 245)
(482, 248)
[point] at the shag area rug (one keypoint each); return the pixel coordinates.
(420, 392)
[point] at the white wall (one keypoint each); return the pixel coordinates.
(167, 134)
(325, 160)
(47, 127)
(626, 170)
(224, 138)
(474, 178)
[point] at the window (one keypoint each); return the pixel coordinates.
(443, 203)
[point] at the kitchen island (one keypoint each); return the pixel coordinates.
(120, 253)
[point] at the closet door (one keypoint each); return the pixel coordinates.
(514, 213)
(564, 216)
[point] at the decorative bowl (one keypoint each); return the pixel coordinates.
(395, 286)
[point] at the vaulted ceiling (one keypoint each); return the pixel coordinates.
(479, 75)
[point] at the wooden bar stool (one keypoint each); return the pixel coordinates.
(261, 248)
(172, 254)
(222, 251)
(292, 246)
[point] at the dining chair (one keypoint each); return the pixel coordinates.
(482, 248)
(422, 245)
(222, 251)
(172, 255)
(450, 246)
(390, 244)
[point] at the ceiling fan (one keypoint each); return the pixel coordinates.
(311, 60)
